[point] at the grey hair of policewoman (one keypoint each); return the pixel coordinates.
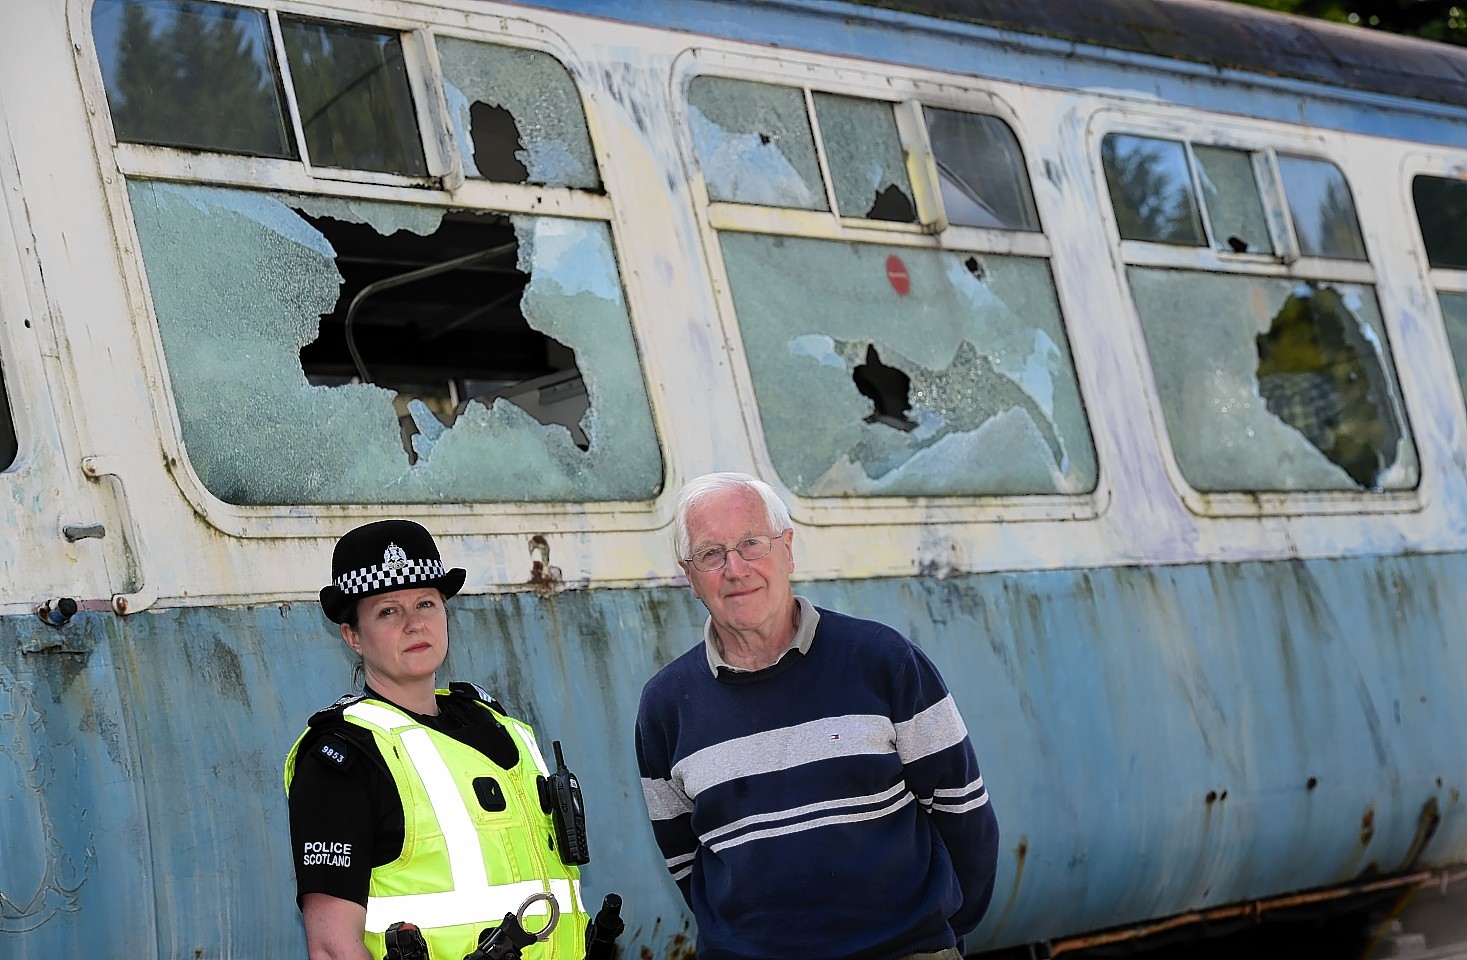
(709, 485)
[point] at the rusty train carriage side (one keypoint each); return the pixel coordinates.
(1189, 689)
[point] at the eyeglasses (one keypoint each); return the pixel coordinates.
(713, 558)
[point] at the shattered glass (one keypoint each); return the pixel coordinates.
(351, 86)
(974, 391)
(1279, 386)
(981, 169)
(517, 116)
(1322, 209)
(189, 74)
(240, 282)
(1454, 313)
(1151, 190)
(867, 164)
(754, 143)
(1441, 209)
(1230, 193)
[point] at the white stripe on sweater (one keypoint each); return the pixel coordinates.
(783, 749)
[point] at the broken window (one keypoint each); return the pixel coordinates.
(981, 170)
(905, 371)
(325, 350)
(9, 443)
(191, 74)
(1230, 196)
(1441, 209)
(351, 87)
(864, 152)
(516, 115)
(1151, 190)
(1322, 209)
(754, 143)
(1287, 386)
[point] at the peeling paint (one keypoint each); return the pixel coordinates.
(41, 877)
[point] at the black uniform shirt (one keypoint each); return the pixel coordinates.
(345, 814)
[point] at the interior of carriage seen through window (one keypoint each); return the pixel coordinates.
(1266, 383)
(437, 319)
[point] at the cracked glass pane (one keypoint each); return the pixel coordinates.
(868, 166)
(1230, 192)
(1322, 209)
(754, 143)
(1454, 313)
(1282, 386)
(333, 351)
(516, 115)
(9, 445)
(901, 371)
(1151, 190)
(186, 74)
(1441, 209)
(981, 169)
(351, 86)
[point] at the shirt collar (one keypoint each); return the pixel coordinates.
(804, 636)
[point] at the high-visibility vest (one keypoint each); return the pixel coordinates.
(462, 868)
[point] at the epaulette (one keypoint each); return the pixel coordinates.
(333, 712)
(475, 692)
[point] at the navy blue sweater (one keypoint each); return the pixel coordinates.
(829, 806)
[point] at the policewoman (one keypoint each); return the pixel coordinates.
(410, 803)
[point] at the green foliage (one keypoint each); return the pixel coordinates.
(1444, 20)
(196, 80)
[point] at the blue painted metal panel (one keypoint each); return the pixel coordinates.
(890, 36)
(142, 776)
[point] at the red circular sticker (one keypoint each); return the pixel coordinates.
(896, 272)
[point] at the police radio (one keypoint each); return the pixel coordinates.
(560, 796)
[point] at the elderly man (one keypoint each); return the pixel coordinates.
(807, 774)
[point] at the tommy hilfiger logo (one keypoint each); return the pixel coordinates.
(395, 558)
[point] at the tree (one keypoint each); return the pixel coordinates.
(1444, 20)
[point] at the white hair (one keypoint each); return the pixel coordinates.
(699, 489)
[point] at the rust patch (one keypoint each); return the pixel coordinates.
(544, 578)
(1426, 825)
(682, 948)
(1021, 856)
(1367, 826)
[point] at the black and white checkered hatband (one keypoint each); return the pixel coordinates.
(371, 579)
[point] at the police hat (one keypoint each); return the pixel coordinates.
(381, 557)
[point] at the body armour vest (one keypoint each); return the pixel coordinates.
(463, 866)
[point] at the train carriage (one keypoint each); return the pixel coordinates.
(1113, 352)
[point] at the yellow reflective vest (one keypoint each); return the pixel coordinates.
(462, 867)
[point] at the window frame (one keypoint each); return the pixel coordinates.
(449, 189)
(905, 89)
(1266, 140)
(1446, 165)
